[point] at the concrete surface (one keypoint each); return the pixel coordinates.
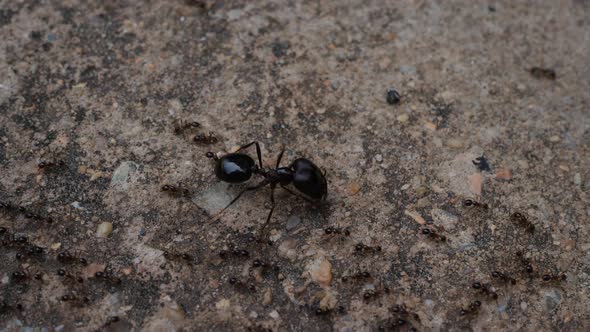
(99, 85)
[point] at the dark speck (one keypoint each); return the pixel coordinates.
(393, 97)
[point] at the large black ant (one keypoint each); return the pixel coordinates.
(241, 284)
(302, 173)
(336, 231)
(69, 278)
(108, 277)
(359, 276)
(49, 165)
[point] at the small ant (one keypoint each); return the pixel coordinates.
(108, 277)
(522, 220)
(49, 165)
(302, 173)
(75, 300)
(240, 284)
(22, 276)
(334, 230)
(12, 240)
(363, 275)
(471, 202)
(320, 312)
(369, 294)
(30, 251)
(433, 235)
(503, 277)
(240, 253)
(176, 191)
(178, 257)
(539, 72)
(528, 267)
(205, 139)
(554, 277)
(5, 307)
(472, 309)
(182, 126)
(66, 257)
(111, 320)
(362, 248)
(69, 278)
(485, 289)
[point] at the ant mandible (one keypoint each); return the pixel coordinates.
(302, 173)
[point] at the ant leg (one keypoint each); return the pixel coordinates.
(257, 151)
(280, 156)
(298, 195)
(272, 207)
(258, 186)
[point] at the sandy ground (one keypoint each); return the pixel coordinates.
(94, 90)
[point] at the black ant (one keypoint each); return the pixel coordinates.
(108, 277)
(325, 311)
(176, 191)
(30, 251)
(22, 276)
(474, 203)
(363, 248)
(503, 277)
(302, 173)
(392, 97)
(69, 278)
(554, 277)
(49, 165)
(5, 307)
(431, 233)
(75, 299)
(242, 285)
(12, 240)
(111, 320)
(485, 289)
(539, 72)
(336, 231)
(178, 257)
(205, 139)
(240, 253)
(363, 275)
(182, 126)
(66, 257)
(522, 220)
(472, 309)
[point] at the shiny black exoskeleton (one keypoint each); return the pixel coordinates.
(305, 176)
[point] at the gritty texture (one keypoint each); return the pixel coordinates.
(95, 89)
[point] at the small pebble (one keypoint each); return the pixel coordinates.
(353, 188)
(504, 174)
(293, 222)
(274, 314)
(455, 143)
(578, 179)
(393, 97)
(104, 229)
(321, 271)
(554, 139)
(403, 118)
(267, 299)
(379, 158)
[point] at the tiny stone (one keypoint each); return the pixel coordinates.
(554, 138)
(393, 97)
(403, 118)
(578, 179)
(455, 143)
(379, 158)
(104, 229)
(293, 222)
(274, 314)
(267, 299)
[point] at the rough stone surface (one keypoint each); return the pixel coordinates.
(97, 88)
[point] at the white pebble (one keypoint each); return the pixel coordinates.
(104, 229)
